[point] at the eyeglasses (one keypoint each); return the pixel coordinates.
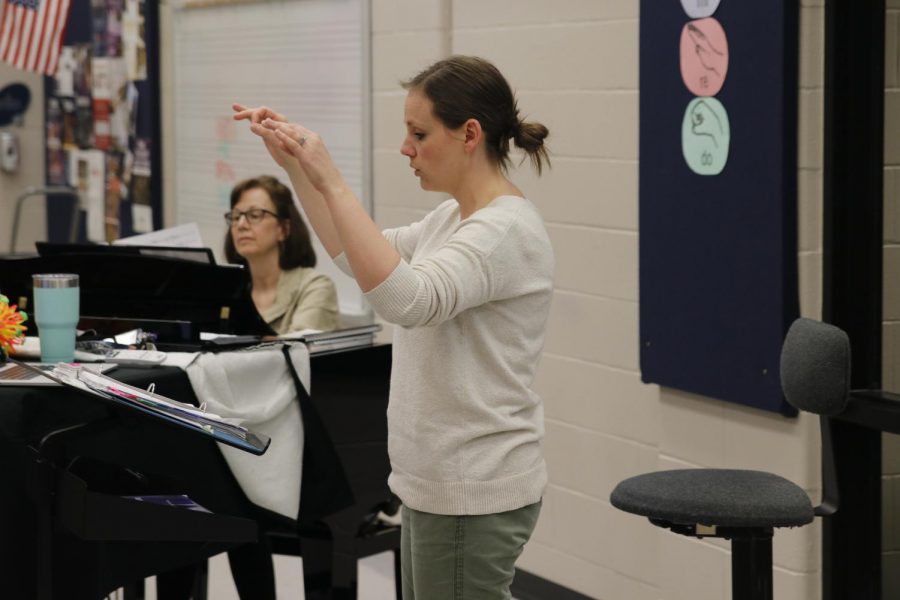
(253, 216)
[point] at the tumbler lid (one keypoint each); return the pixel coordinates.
(55, 280)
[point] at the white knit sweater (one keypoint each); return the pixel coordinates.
(472, 298)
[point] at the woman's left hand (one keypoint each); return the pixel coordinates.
(255, 115)
(311, 153)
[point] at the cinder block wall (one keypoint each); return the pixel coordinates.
(890, 487)
(575, 66)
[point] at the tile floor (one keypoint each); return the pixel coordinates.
(376, 578)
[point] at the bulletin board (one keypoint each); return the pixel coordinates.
(102, 120)
(308, 59)
(718, 187)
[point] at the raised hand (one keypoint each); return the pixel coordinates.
(256, 115)
(309, 150)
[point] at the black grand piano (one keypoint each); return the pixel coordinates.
(122, 289)
(58, 447)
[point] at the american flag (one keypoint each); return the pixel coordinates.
(31, 33)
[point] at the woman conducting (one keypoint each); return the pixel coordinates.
(470, 287)
(267, 234)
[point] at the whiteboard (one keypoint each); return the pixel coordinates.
(308, 59)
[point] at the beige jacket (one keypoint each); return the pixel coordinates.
(304, 299)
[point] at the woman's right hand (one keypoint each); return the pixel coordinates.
(310, 152)
(256, 115)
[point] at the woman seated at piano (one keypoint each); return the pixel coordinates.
(268, 236)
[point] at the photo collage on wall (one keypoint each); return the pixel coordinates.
(92, 105)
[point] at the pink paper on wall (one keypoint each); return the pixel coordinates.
(704, 56)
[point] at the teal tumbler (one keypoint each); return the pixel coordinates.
(56, 314)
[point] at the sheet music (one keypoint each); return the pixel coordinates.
(185, 236)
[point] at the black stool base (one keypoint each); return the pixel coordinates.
(751, 566)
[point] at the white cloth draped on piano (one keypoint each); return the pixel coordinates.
(255, 387)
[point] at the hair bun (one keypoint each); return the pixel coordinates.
(530, 136)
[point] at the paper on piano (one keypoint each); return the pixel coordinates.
(298, 335)
(337, 339)
(30, 348)
(317, 335)
(187, 235)
(316, 340)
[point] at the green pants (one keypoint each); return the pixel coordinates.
(470, 557)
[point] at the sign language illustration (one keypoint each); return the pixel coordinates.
(697, 9)
(704, 56)
(705, 136)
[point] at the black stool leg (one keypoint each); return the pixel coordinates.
(751, 566)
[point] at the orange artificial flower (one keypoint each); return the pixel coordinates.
(12, 331)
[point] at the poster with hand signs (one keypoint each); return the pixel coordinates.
(718, 180)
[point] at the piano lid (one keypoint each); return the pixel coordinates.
(203, 255)
(131, 286)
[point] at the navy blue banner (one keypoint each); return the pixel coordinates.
(718, 186)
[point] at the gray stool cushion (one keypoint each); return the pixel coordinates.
(721, 497)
